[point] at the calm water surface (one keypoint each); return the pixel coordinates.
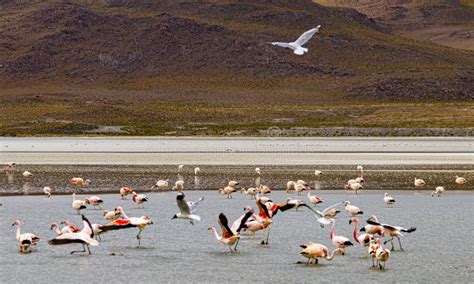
(174, 251)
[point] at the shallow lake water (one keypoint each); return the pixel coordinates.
(174, 251)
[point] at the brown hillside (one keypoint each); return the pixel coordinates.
(70, 62)
(446, 22)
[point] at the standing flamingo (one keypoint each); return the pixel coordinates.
(339, 241)
(363, 239)
(25, 240)
(382, 255)
(230, 236)
(353, 210)
(314, 199)
(124, 191)
(139, 199)
(78, 205)
(315, 251)
(388, 200)
(438, 191)
(393, 231)
(94, 200)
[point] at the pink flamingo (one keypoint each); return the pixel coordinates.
(363, 239)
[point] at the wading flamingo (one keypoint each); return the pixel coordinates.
(230, 236)
(128, 222)
(314, 199)
(438, 191)
(353, 210)
(371, 229)
(178, 185)
(363, 239)
(339, 241)
(94, 200)
(314, 251)
(77, 204)
(393, 232)
(124, 191)
(382, 255)
(84, 237)
(161, 184)
(25, 240)
(139, 199)
(388, 200)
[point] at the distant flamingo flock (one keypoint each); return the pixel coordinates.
(250, 222)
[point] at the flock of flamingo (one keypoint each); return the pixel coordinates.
(368, 236)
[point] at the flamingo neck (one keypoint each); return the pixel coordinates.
(123, 214)
(330, 257)
(18, 231)
(216, 234)
(356, 237)
(332, 229)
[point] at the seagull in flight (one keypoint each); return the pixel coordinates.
(325, 217)
(297, 45)
(187, 209)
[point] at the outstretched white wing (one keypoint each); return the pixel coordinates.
(307, 36)
(282, 44)
(331, 207)
(194, 205)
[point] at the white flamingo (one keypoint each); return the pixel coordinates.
(77, 204)
(27, 174)
(353, 210)
(94, 200)
(178, 185)
(47, 191)
(314, 199)
(162, 184)
(438, 191)
(388, 200)
(339, 241)
(25, 240)
(460, 180)
(419, 182)
(318, 173)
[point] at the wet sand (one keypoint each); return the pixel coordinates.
(111, 178)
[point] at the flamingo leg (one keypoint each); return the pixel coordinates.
(88, 249)
(83, 250)
(236, 244)
(391, 241)
(400, 243)
(139, 236)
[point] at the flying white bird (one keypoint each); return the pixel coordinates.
(297, 45)
(187, 209)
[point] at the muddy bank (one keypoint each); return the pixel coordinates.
(109, 179)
